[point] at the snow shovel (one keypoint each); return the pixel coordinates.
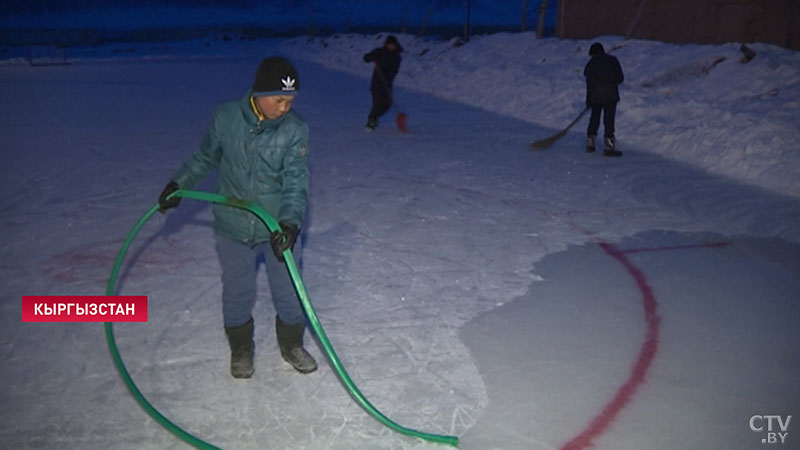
(544, 143)
(401, 122)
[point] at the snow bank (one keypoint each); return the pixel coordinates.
(697, 104)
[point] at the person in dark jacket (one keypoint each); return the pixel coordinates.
(259, 147)
(603, 75)
(387, 63)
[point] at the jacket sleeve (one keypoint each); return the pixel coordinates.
(294, 189)
(619, 75)
(203, 161)
(373, 55)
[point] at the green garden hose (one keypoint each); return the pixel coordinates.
(294, 273)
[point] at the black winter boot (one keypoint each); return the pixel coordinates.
(610, 147)
(241, 342)
(290, 341)
(590, 143)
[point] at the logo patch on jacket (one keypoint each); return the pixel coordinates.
(302, 150)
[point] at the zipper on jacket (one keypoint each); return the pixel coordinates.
(256, 111)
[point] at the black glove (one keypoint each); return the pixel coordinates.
(283, 239)
(163, 203)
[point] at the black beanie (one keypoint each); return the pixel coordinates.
(392, 39)
(275, 76)
(596, 49)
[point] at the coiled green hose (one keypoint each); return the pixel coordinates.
(272, 225)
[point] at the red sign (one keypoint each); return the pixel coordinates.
(84, 308)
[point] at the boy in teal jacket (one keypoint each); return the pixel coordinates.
(259, 147)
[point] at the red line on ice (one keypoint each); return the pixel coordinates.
(643, 362)
(676, 247)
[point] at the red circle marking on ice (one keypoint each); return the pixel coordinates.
(643, 362)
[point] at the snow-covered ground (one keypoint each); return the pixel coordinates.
(471, 286)
(697, 104)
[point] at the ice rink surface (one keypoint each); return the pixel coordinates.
(517, 299)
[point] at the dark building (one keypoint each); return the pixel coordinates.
(684, 21)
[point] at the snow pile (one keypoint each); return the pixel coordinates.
(697, 104)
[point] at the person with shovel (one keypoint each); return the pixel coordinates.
(259, 148)
(387, 62)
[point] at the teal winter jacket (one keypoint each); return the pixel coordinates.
(264, 162)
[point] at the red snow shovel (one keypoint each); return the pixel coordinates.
(401, 122)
